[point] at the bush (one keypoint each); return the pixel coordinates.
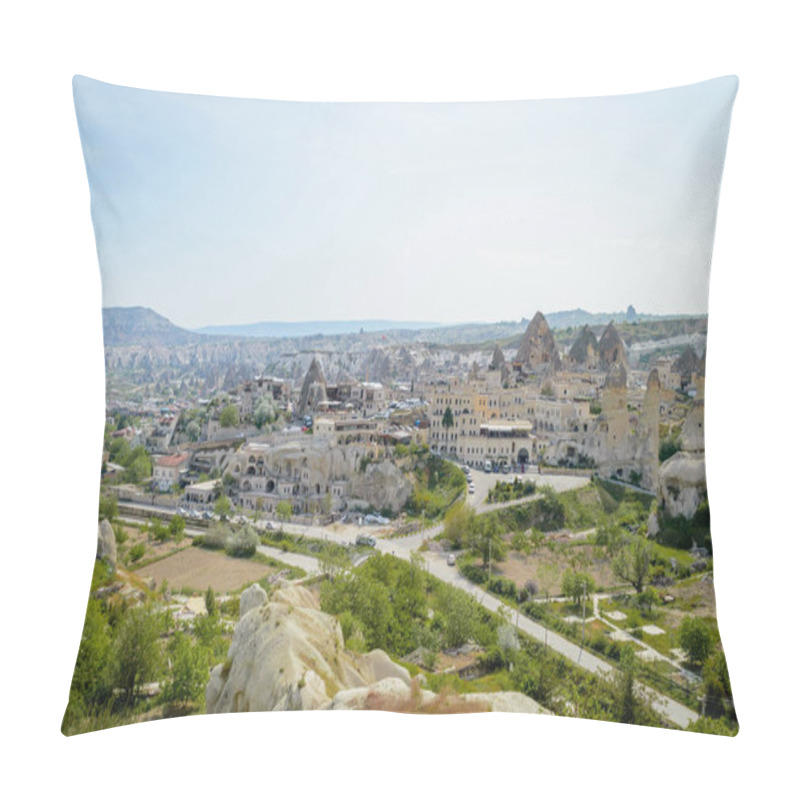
(243, 543)
(136, 552)
(473, 573)
(503, 586)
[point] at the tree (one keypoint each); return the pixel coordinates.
(333, 562)
(459, 521)
(193, 430)
(575, 584)
(447, 418)
(108, 507)
(136, 657)
(89, 681)
(459, 616)
(177, 527)
(717, 683)
(188, 671)
(550, 510)
(211, 602)
(284, 510)
(632, 562)
(485, 539)
(695, 638)
(264, 412)
(229, 417)
(157, 530)
(223, 506)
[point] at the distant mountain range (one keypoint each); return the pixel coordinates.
(137, 325)
(281, 330)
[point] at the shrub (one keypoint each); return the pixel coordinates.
(503, 586)
(473, 573)
(136, 552)
(243, 543)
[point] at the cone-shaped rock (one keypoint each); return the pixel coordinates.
(611, 348)
(584, 351)
(538, 346)
(313, 389)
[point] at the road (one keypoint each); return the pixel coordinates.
(436, 564)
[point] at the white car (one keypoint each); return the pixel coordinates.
(451, 560)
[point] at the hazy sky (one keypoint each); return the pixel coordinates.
(212, 210)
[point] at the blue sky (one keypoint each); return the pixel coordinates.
(214, 210)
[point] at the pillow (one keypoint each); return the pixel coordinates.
(365, 446)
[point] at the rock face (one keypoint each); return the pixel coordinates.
(381, 485)
(252, 597)
(286, 654)
(498, 359)
(538, 347)
(682, 484)
(682, 478)
(611, 348)
(106, 543)
(313, 389)
(584, 351)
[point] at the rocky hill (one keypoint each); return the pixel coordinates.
(286, 654)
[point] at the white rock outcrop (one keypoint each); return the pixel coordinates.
(286, 654)
(106, 543)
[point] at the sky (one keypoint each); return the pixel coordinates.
(229, 211)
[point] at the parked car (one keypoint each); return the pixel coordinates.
(471, 489)
(451, 560)
(367, 541)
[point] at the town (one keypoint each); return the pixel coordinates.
(515, 518)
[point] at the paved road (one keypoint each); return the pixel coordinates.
(437, 565)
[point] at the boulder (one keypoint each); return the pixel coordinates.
(106, 543)
(682, 484)
(252, 597)
(286, 654)
(381, 485)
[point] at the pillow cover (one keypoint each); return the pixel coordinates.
(364, 447)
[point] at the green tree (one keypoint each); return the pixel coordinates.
(139, 469)
(188, 673)
(696, 639)
(211, 603)
(157, 530)
(177, 527)
(193, 430)
(458, 614)
(223, 506)
(284, 510)
(333, 562)
(90, 679)
(136, 657)
(459, 522)
(264, 412)
(108, 506)
(632, 562)
(447, 418)
(551, 514)
(575, 584)
(485, 539)
(229, 417)
(717, 684)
